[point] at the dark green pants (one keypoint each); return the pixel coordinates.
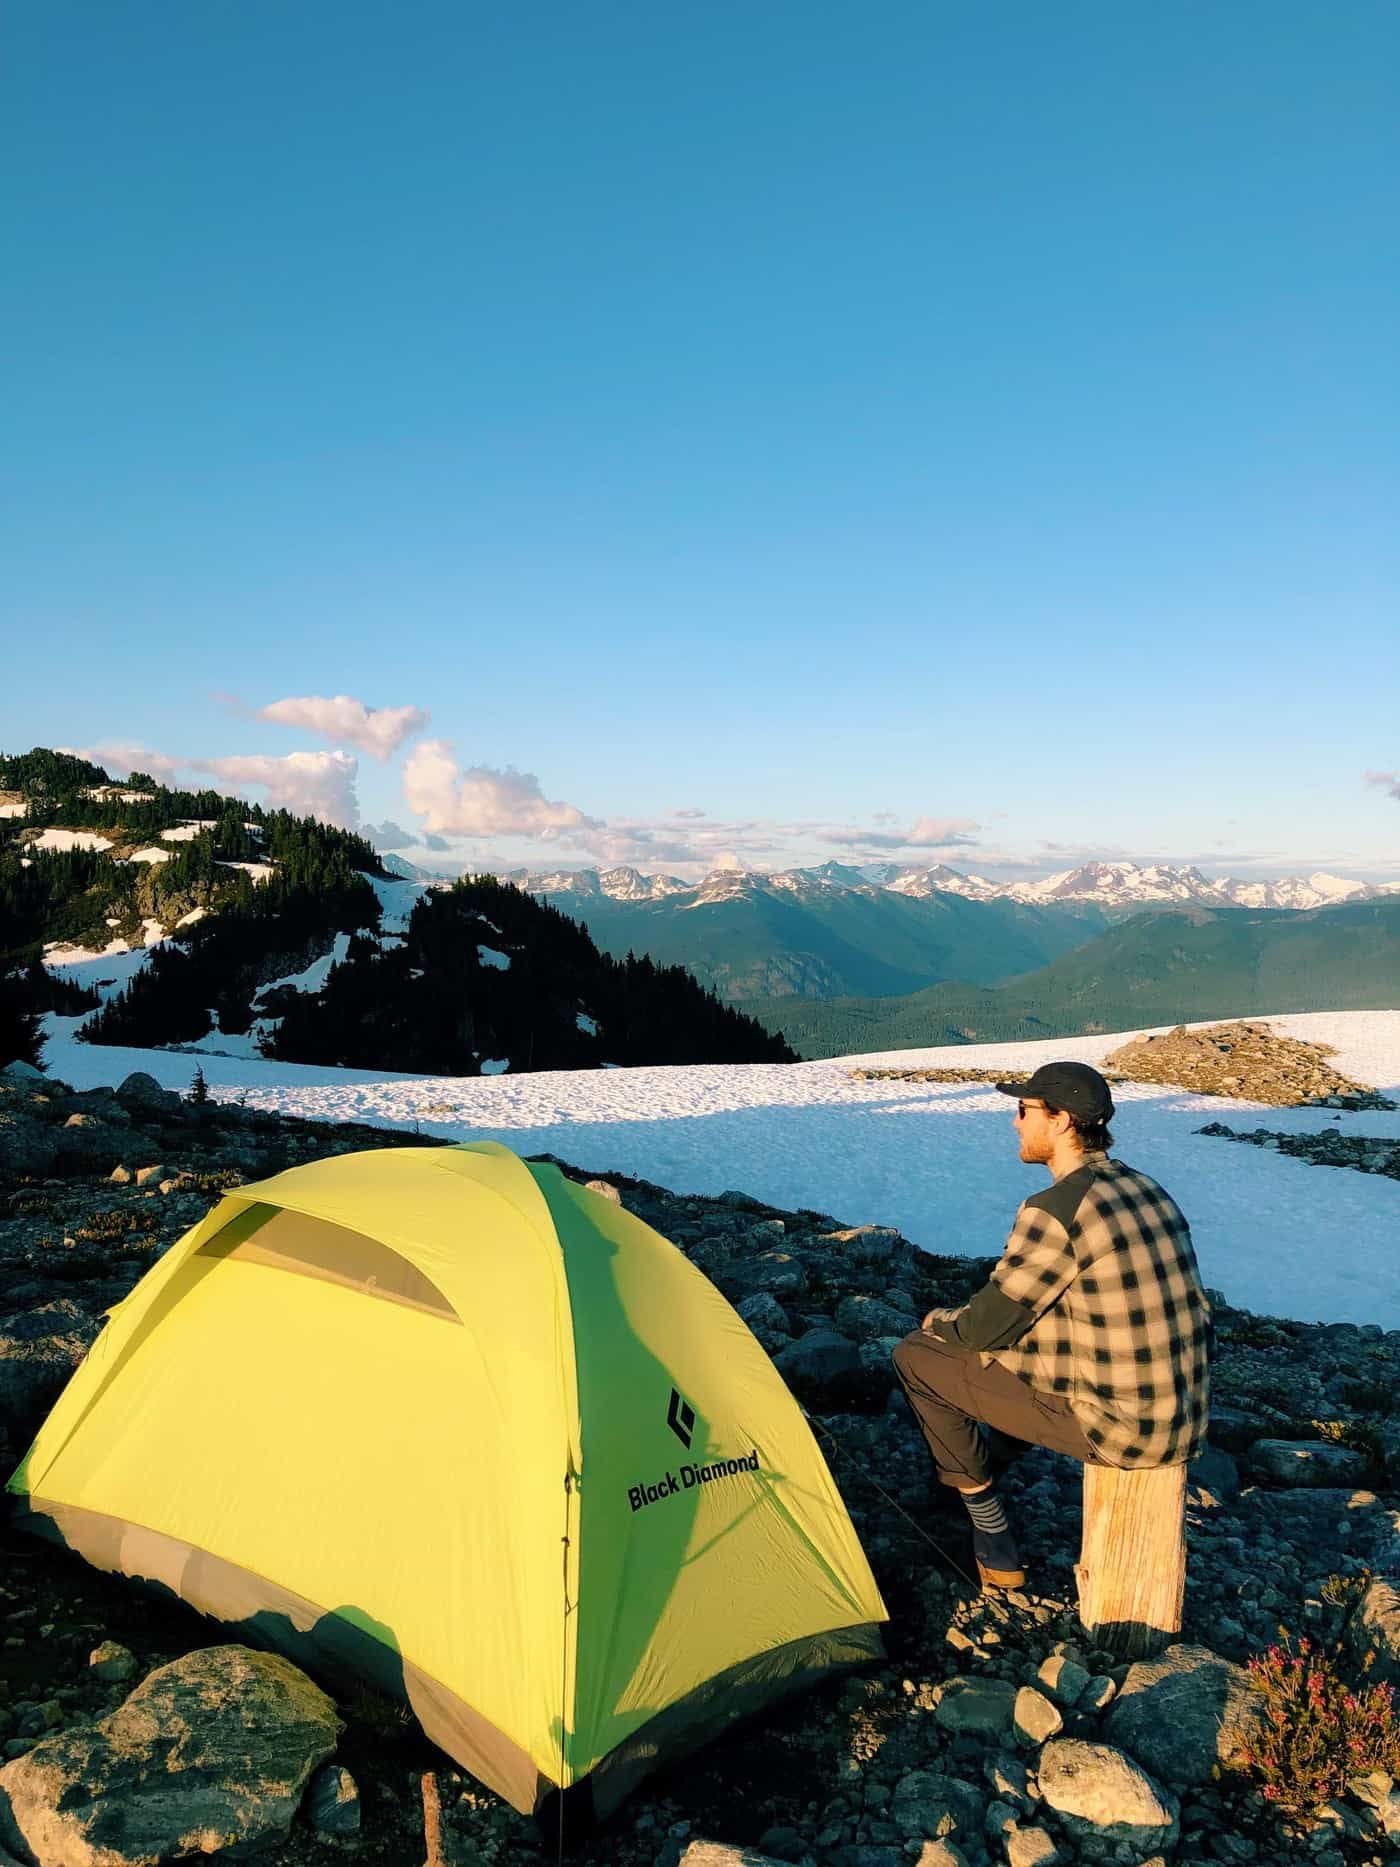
(950, 1391)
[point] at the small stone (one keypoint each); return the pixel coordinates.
(1064, 1679)
(977, 1707)
(111, 1662)
(1035, 1718)
(145, 1175)
(332, 1801)
(604, 1189)
(120, 1176)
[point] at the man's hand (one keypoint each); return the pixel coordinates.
(941, 1315)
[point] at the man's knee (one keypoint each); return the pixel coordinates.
(904, 1355)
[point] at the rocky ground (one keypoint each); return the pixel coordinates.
(1243, 1059)
(996, 1731)
(1328, 1148)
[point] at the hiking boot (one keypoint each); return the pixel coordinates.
(998, 1559)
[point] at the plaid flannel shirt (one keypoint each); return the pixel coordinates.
(1122, 1327)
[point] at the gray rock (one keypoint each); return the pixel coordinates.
(211, 1751)
(721, 1854)
(1064, 1679)
(332, 1803)
(766, 1316)
(1101, 1795)
(1233, 1427)
(867, 1244)
(937, 1854)
(112, 1662)
(1010, 1779)
(21, 1072)
(1184, 1713)
(1374, 1627)
(1314, 1463)
(1212, 1479)
(778, 1272)
(143, 1091)
(820, 1366)
(981, 1707)
(1029, 1846)
(928, 1806)
(38, 1352)
(864, 1319)
(1035, 1718)
(28, 1148)
(604, 1189)
(88, 1145)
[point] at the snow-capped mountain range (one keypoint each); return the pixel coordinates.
(1105, 884)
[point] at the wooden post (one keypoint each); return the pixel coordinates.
(1132, 1562)
(432, 1821)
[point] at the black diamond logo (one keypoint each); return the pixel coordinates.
(680, 1417)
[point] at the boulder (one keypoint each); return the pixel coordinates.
(332, 1804)
(982, 1707)
(1374, 1628)
(86, 1144)
(778, 1272)
(28, 1147)
(867, 1244)
(1102, 1796)
(1185, 1713)
(864, 1319)
(766, 1316)
(142, 1091)
(21, 1072)
(1316, 1463)
(1212, 1479)
(928, 1806)
(1035, 1719)
(821, 1367)
(112, 1662)
(212, 1751)
(39, 1350)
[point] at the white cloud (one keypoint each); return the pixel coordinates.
(482, 802)
(926, 833)
(311, 784)
(379, 731)
(390, 835)
(121, 757)
(1388, 781)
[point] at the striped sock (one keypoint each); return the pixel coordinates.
(986, 1511)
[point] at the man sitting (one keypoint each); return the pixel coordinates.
(1093, 1334)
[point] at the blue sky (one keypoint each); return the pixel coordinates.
(768, 433)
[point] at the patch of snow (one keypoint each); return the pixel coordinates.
(494, 1066)
(258, 870)
(152, 932)
(315, 975)
(113, 920)
(14, 810)
(188, 830)
(490, 957)
(589, 1026)
(71, 839)
(938, 1160)
(397, 900)
(150, 855)
(106, 973)
(192, 918)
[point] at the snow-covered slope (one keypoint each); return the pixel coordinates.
(1275, 1234)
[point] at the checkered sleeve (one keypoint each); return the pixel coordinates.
(1038, 1263)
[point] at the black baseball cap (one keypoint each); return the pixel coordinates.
(1074, 1087)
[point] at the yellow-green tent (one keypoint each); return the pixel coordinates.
(445, 1420)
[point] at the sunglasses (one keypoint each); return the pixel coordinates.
(1025, 1108)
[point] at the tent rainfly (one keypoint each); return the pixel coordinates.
(441, 1421)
